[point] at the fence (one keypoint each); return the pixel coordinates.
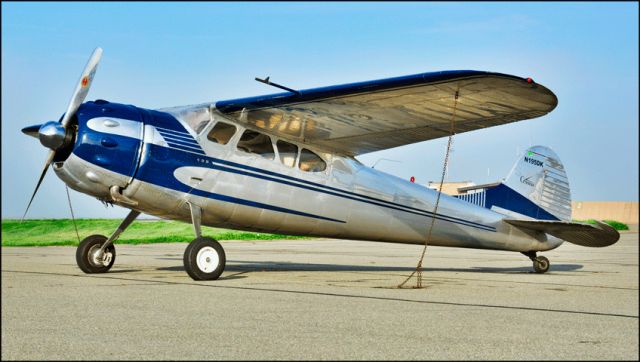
(623, 211)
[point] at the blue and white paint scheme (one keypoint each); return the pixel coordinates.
(285, 163)
(537, 188)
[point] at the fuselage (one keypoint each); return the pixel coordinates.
(163, 160)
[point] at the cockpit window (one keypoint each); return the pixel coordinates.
(288, 152)
(200, 126)
(258, 143)
(311, 162)
(221, 133)
(197, 118)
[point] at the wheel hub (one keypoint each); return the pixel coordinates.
(98, 258)
(207, 259)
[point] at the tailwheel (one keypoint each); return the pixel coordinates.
(541, 264)
(89, 257)
(204, 259)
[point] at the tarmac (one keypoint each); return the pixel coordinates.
(323, 299)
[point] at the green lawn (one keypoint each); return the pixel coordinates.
(48, 232)
(615, 224)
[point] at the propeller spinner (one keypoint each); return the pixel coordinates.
(57, 135)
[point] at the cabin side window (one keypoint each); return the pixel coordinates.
(288, 153)
(311, 162)
(258, 143)
(221, 133)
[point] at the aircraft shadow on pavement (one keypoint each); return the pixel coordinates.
(124, 271)
(268, 266)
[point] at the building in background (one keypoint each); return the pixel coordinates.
(450, 188)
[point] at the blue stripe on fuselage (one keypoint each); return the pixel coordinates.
(381, 203)
(183, 159)
(259, 173)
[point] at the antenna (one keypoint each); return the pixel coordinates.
(268, 82)
(384, 159)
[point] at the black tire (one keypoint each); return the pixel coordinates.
(206, 269)
(541, 264)
(84, 254)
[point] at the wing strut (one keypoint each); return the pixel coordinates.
(418, 270)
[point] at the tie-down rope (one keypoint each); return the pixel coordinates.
(72, 216)
(435, 208)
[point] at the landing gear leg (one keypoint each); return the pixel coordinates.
(204, 258)
(540, 263)
(96, 253)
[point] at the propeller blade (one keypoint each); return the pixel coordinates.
(82, 88)
(32, 130)
(44, 171)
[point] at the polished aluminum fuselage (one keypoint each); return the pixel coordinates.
(244, 191)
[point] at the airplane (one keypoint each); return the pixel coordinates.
(285, 163)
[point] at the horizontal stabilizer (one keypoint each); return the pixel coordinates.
(598, 235)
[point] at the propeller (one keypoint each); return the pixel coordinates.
(56, 135)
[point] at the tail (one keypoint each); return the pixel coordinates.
(536, 188)
(540, 178)
(535, 196)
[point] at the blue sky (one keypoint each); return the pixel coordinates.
(165, 54)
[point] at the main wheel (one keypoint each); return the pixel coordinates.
(541, 264)
(204, 259)
(87, 255)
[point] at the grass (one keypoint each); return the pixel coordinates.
(47, 232)
(615, 224)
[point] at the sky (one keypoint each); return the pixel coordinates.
(167, 54)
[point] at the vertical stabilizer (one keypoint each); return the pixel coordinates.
(540, 177)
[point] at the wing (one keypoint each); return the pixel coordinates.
(598, 235)
(363, 117)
